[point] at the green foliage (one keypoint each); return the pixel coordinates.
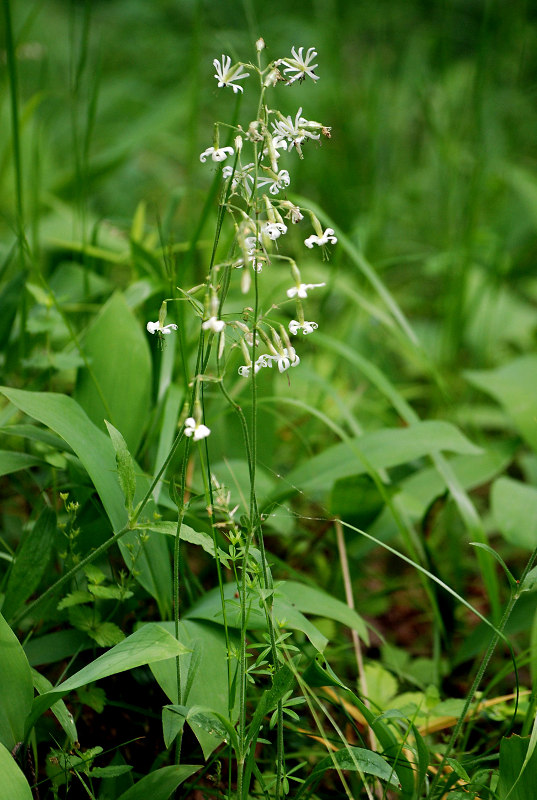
(154, 579)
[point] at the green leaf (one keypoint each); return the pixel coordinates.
(125, 465)
(107, 634)
(149, 644)
(92, 696)
(160, 784)
(208, 656)
(512, 784)
(76, 598)
(112, 771)
(209, 607)
(514, 386)
(381, 449)
(309, 600)
(14, 784)
(94, 449)
(12, 462)
(16, 687)
(188, 534)
(59, 709)
(31, 561)
(354, 759)
(514, 507)
(121, 365)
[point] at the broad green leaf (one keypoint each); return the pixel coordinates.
(208, 656)
(120, 359)
(209, 607)
(309, 600)
(12, 462)
(73, 283)
(514, 386)
(147, 645)
(16, 687)
(354, 759)
(31, 561)
(125, 465)
(14, 784)
(514, 506)
(511, 784)
(381, 449)
(160, 784)
(94, 449)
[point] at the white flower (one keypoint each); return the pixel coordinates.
(300, 64)
(287, 359)
(293, 212)
(244, 371)
(280, 181)
(241, 177)
(294, 131)
(156, 327)
(305, 327)
(302, 289)
(327, 236)
(214, 324)
(217, 155)
(226, 74)
(196, 429)
(274, 229)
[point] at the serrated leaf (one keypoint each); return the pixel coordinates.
(107, 634)
(76, 598)
(94, 574)
(109, 592)
(113, 771)
(92, 696)
(125, 465)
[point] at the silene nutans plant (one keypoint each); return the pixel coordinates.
(163, 632)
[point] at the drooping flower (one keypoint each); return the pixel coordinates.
(305, 327)
(300, 65)
(277, 182)
(226, 75)
(294, 131)
(288, 358)
(197, 430)
(327, 236)
(302, 289)
(241, 177)
(274, 230)
(219, 154)
(213, 324)
(157, 327)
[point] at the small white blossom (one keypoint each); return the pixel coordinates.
(196, 429)
(294, 131)
(287, 359)
(327, 236)
(217, 155)
(274, 229)
(244, 372)
(293, 212)
(226, 75)
(156, 327)
(302, 289)
(241, 177)
(280, 181)
(301, 65)
(214, 324)
(305, 327)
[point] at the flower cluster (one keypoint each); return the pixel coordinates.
(255, 163)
